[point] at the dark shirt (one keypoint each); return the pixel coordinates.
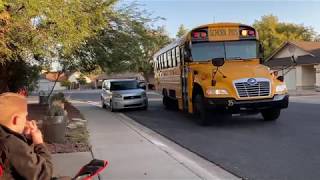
(21, 159)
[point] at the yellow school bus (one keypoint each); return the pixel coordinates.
(218, 68)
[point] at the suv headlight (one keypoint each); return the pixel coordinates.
(117, 95)
(144, 94)
(213, 91)
(281, 88)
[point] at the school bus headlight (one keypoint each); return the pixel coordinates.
(213, 91)
(281, 88)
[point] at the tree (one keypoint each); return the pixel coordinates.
(272, 32)
(66, 83)
(47, 29)
(82, 80)
(181, 31)
(128, 43)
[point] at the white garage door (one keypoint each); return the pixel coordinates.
(290, 79)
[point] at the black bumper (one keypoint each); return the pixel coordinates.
(234, 106)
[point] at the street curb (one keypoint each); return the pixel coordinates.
(201, 167)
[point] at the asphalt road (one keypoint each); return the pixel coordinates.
(246, 146)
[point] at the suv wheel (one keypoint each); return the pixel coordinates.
(103, 105)
(111, 107)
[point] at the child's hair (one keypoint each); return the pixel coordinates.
(11, 103)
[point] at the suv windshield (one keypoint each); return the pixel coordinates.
(123, 85)
(205, 51)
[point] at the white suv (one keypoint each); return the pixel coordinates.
(123, 94)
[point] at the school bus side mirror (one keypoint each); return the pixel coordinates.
(218, 62)
(187, 55)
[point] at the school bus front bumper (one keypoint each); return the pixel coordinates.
(238, 106)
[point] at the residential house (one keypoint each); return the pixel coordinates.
(47, 80)
(299, 62)
(73, 78)
(126, 75)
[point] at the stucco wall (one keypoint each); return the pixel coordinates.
(306, 77)
(76, 75)
(45, 85)
(317, 84)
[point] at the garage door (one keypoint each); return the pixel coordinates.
(290, 79)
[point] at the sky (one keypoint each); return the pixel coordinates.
(192, 13)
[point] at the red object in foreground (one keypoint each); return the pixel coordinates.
(93, 168)
(1, 171)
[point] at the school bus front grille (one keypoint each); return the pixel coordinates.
(260, 88)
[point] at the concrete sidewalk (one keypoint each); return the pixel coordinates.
(134, 155)
(68, 164)
(304, 93)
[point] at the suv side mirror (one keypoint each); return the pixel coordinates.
(218, 62)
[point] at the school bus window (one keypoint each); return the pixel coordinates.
(173, 55)
(161, 62)
(178, 55)
(162, 57)
(165, 60)
(181, 52)
(169, 59)
(155, 63)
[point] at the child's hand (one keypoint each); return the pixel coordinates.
(32, 130)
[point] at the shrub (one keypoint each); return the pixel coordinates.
(65, 83)
(56, 111)
(57, 100)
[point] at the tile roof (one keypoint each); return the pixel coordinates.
(309, 46)
(279, 63)
(52, 76)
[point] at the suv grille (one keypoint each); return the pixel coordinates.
(131, 97)
(260, 88)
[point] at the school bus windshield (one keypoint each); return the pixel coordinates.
(232, 50)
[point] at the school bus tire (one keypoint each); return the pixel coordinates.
(169, 103)
(271, 114)
(165, 101)
(202, 114)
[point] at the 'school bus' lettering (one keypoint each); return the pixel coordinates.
(226, 33)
